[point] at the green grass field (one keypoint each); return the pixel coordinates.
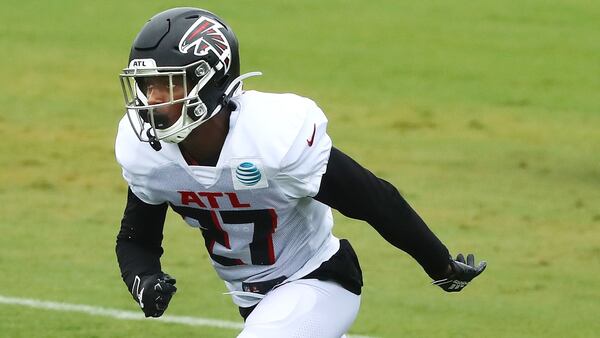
(484, 114)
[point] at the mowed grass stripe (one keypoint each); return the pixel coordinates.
(124, 314)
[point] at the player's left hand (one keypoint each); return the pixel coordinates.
(462, 273)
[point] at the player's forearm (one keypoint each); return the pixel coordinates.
(138, 245)
(402, 227)
(357, 193)
(135, 260)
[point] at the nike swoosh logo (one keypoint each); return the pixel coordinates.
(312, 138)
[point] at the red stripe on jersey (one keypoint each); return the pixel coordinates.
(270, 236)
(215, 219)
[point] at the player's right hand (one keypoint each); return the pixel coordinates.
(462, 273)
(153, 293)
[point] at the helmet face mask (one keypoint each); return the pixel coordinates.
(144, 117)
(191, 55)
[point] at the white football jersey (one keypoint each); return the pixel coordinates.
(254, 208)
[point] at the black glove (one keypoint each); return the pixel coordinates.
(462, 273)
(153, 293)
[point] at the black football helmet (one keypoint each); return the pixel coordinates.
(188, 47)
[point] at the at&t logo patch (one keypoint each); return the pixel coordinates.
(248, 174)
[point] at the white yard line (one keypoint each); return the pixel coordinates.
(125, 315)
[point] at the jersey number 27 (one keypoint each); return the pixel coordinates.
(261, 247)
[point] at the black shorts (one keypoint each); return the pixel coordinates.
(342, 268)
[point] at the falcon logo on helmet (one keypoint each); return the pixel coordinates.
(205, 35)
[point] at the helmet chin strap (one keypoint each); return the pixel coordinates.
(154, 143)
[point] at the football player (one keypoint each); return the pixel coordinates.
(257, 175)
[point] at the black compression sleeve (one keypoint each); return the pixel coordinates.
(139, 240)
(357, 193)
